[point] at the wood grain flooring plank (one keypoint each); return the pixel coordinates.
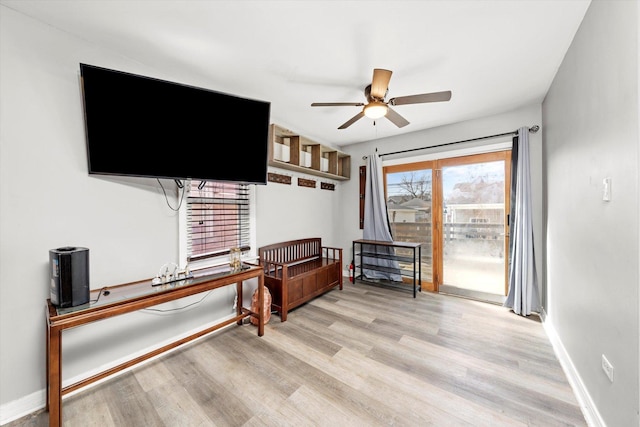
(84, 412)
(176, 407)
(440, 407)
(222, 408)
(491, 397)
(321, 411)
(243, 374)
(153, 374)
(557, 390)
(485, 393)
(127, 401)
(309, 322)
(314, 360)
(323, 317)
(336, 384)
(546, 409)
(396, 389)
(364, 316)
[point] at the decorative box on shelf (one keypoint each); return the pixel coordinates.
(305, 159)
(324, 164)
(281, 152)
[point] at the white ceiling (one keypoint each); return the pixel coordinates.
(493, 55)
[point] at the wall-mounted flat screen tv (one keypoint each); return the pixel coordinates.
(146, 127)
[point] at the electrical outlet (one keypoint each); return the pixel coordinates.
(607, 367)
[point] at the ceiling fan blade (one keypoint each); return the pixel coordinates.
(352, 120)
(422, 98)
(380, 83)
(337, 104)
(396, 118)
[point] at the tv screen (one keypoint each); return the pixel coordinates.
(145, 127)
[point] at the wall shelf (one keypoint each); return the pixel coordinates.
(288, 150)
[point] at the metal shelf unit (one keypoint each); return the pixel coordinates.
(408, 259)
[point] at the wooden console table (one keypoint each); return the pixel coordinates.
(365, 252)
(131, 297)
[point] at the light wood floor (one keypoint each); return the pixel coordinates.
(363, 356)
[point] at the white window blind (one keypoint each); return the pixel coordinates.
(217, 219)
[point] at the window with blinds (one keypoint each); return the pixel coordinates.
(217, 219)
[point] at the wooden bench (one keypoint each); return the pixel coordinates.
(297, 271)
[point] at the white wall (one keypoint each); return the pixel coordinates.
(288, 212)
(590, 131)
(47, 200)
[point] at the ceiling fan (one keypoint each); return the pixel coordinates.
(376, 107)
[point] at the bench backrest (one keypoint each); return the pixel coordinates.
(292, 251)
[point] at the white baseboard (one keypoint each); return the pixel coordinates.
(35, 401)
(589, 410)
(24, 406)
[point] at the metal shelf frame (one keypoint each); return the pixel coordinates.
(360, 250)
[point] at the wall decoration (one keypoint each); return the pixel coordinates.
(327, 186)
(306, 183)
(280, 179)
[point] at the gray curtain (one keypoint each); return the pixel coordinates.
(523, 296)
(376, 225)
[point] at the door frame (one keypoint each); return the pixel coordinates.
(433, 283)
(426, 284)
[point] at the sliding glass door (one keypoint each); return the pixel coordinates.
(457, 208)
(474, 238)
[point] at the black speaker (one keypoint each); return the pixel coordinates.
(69, 267)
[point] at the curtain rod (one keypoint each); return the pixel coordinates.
(532, 129)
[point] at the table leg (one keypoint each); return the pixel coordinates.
(239, 301)
(260, 305)
(420, 268)
(46, 357)
(54, 376)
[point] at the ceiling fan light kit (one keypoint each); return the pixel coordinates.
(375, 110)
(376, 106)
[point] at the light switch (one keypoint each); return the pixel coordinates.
(606, 189)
